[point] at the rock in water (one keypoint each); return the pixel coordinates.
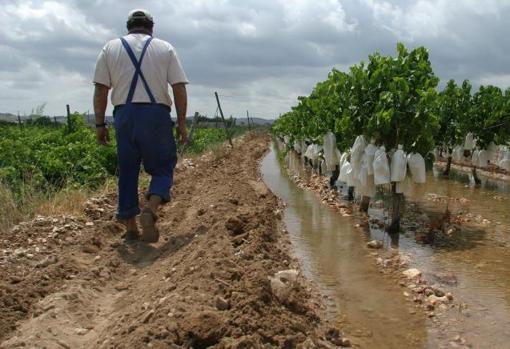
(375, 244)
(412, 273)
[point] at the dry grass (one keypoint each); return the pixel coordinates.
(70, 201)
(9, 212)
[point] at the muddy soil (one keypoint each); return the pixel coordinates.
(71, 282)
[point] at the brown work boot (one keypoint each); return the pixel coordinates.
(148, 220)
(131, 235)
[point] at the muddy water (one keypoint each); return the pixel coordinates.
(478, 255)
(365, 303)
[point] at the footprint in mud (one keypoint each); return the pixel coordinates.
(142, 255)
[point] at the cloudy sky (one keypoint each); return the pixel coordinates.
(258, 54)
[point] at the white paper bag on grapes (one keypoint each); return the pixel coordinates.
(330, 151)
(474, 158)
(458, 153)
(493, 151)
(370, 152)
(303, 148)
(416, 164)
(398, 165)
(363, 173)
(352, 181)
(313, 151)
(469, 143)
(343, 159)
(436, 153)
(357, 151)
(345, 170)
(483, 158)
(308, 152)
(381, 167)
(297, 147)
(505, 163)
(316, 151)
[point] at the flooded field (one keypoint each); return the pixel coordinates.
(478, 255)
(370, 305)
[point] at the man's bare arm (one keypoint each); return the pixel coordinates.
(100, 103)
(181, 106)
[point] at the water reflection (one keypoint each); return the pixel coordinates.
(333, 255)
(479, 255)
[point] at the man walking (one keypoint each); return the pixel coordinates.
(138, 69)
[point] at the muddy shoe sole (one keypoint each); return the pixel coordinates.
(148, 222)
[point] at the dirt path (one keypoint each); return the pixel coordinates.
(69, 282)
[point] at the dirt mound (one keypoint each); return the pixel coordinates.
(39, 256)
(69, 282)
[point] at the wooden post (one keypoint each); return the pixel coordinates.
(227, 131)
(446, 172)
(69, 122)
(55, 120)
(350, 193)
(19, 121)
(248, 117)
(397, 202)
(334, 177)
(365, 204)
(477, 179)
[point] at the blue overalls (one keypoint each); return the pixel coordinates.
(144, 134)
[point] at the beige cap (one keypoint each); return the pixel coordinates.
(140, 14)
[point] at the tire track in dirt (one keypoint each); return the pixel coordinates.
(205, 284)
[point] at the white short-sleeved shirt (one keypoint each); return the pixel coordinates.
(160, 67)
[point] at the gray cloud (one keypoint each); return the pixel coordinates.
(260, 55)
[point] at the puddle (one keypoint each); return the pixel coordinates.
(479, 255)
(365, 303)
(333, 255)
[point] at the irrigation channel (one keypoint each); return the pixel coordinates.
(370, 305)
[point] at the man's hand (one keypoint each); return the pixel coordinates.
(181, 104)
(100, 101)
(102, 136)
(182, 134)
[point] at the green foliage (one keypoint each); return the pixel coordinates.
(45, 158)
(390, 99)
(75, 122)
(454, 108)
(40, 121)
(404, 91)
(489, 118)
(50, 158)
(394, 100)
(204, 138)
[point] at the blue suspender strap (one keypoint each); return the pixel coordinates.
(138, 71)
